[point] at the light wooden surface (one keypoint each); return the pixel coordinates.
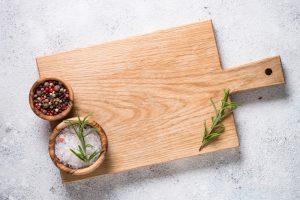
(151, 93)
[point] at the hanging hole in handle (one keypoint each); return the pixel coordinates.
(268, 71)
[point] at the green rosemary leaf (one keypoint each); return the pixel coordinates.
(83, 125)
(226, 114)
(76, 131)
(77, 154)
(78, 118)
(93, 155)
(217, 127)
(73, 122)
(89, 145)
(212, 136)
(85, 118)
(87, 134)
(214, 105)
(81, 150)
(231, 105)
(205, 129)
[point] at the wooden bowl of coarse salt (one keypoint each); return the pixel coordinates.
(78, 145)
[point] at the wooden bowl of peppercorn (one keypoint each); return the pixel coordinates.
(51, 98)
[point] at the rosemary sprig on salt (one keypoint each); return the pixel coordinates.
(79, 144)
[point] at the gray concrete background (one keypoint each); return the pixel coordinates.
(267, 164)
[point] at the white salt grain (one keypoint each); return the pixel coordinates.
(67, 139)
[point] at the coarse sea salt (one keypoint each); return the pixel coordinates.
(67, 139)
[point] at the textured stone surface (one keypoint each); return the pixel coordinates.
(266, 166)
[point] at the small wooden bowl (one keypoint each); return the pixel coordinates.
(81, 171)
(54, 117)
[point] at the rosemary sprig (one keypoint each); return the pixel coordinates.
(80, 152)
(217, 127)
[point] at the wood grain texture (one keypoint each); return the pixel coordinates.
(151, 93)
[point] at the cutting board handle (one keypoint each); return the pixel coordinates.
(266, 72)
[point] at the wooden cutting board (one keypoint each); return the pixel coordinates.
(151, 93)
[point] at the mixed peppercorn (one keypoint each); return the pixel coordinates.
(51, 97)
